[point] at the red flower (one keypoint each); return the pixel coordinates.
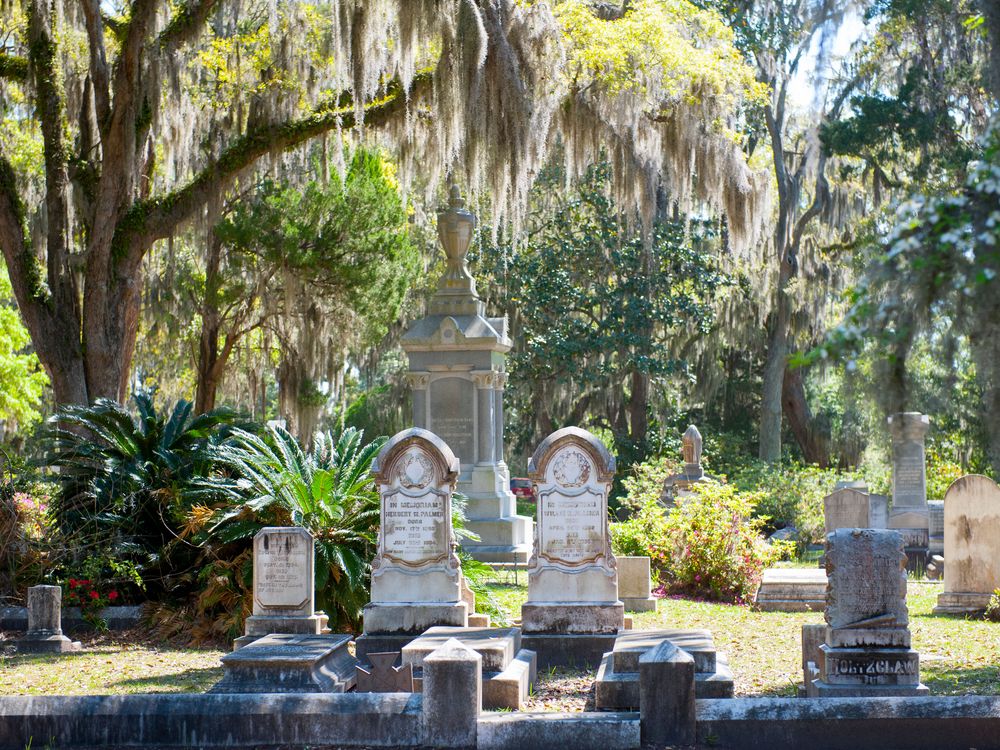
(72, 583)
(112, 595)
(94, 595)
(84, 582)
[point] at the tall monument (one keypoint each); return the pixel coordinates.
(457, 372)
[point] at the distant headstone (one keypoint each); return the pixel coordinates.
(679, 485)
(867, 645)
(935, 527)
(45, 634)
(909, 514)
(635, 585)
(416, 577)
(847, 509)
(971, 545)
(284, 584)
(572, 574)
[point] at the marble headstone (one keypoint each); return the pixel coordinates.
(847, 508)
(572, 574)
(284, 584)
(971, 545)
(416, 578)
(457, 374)
(867, 645)
(909, 514)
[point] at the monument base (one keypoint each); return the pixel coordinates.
(491, 513)
(961, 603)
(820, 689)
(285, 663)
(412, 618)
(47, 644)
(637, 604)
(604, 618)
(292, 625)
(580, 651)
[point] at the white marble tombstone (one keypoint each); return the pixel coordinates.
(283, 584)
(847, 508)
(572, 574)
(416, 577)
(909, 514)
(971, 545)
(457, 375)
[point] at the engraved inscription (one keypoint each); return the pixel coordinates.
(452, 406)
(281, 570)
(572, 528)
(414, 529)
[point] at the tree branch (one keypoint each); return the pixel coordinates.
(98, 60)
(157, 218)
(185, 24)
(13, 67)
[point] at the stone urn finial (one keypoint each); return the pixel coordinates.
(455, 226)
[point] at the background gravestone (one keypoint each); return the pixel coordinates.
(416, 576)
(867, 644)
(457, 375)
(45, 634)
(847, 508)
(284, 585)
(572, 575)
(971, 545)
(909, 514)
(678, 486)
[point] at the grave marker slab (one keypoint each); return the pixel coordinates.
(971, 545)
(909, 514)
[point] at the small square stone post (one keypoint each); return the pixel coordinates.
(453, 695)
(45, 634)
(666, 696)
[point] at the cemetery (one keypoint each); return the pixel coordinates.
(499, 374)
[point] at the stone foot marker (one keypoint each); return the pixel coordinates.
(971, 545)
(284, 585)
(635, 584)
(416, 577)
(45, 634)
(573, 613)
(867, 646)
(287, 663)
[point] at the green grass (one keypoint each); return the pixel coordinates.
(957, 656)
(111, 668)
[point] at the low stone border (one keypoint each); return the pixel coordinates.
(117, 618)
(926, 723)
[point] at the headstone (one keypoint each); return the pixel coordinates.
(867, 645)
(971, 545)
(416, 577)
(572, 574)
(847, 509)
(909, 514)
(791, 590)
(457, 375)
(45, 634)
(935, 527)
(635, 585)
(679, 485)
(284, 584)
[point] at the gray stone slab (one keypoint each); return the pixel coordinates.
(546, 731)
(620, 692)
(570, 618)
(496, 646)
(579, 651)
(510, 688)
(792, 590)
(282, 663)
(629, 646)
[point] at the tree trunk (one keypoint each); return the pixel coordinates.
(638, 408)
(814, 441)
(774, 378)
(984, 343)
(209, 371)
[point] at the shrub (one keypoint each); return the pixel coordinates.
(993, 608)
(645, 482)
(710, 545)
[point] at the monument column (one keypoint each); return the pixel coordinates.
(909, 514)
(418, 382)
(457, 355)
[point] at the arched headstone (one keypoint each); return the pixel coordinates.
(572, 574)
(971, 545)
(416, 577)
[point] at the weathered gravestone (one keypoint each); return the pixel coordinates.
(416, 577)
(45, 634)
(635, 585)
(847, 508)
(971, 545)
(909, 514)
(457, 376)
(679, 485)
(867, 645)
(573, 612)
(284, 585)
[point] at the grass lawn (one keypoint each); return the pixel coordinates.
(110, 664)
(957, 656)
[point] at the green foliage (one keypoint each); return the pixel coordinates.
(122, 479)
(269, 480)
(993, 609)
(644, 484)
(22, 381)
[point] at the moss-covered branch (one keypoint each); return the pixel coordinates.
(13, 67)
(157, 218)
(187, 22)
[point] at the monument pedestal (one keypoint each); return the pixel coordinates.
(36, 643)
(597, 618)
(961, 603)
(45, 634)
(285, 663)
(491, 511)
